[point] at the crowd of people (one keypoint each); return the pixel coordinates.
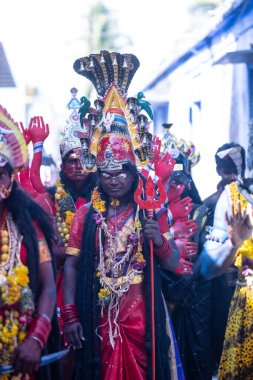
(121, 271)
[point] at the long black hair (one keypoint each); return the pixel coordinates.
(87, 288)
(25, 212)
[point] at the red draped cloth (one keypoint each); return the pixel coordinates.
(128, 360)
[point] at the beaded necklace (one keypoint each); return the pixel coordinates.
(113, 284)
(65, 212)
(16, 300)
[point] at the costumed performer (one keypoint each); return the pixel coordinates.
(223, 286)
(28, 292)
(106, 283)
(230, 242)
(188, 294)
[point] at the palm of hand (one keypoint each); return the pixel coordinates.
(38, 130)
(239, 229)
(164, 166)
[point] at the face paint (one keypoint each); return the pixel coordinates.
(72, 167)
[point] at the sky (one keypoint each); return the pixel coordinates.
(42, 39)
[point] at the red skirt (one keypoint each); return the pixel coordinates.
(128, 359)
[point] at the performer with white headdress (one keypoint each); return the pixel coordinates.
(230, 241)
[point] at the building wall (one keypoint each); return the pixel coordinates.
(209, 103)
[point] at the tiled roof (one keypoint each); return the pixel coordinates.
(6, 78)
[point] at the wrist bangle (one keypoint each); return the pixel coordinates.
(69, 314)
(38, 147)
(46, 316)
(37, 340)
(169, 215)
(163, 252)
(40, 329)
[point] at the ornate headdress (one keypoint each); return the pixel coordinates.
(72, 133)
(13, 149)
(184, 153)
(118, 134)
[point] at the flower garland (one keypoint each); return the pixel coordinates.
(246, 249)
(65, 212)
(16, 300)
(116, 284)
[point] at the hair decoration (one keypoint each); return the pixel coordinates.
(13, 149)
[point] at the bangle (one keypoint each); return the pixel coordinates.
(37, 340)
(38, 147)
(169, 215)
(46, 316)
(69, 314)
(40, 329)
(163, 252)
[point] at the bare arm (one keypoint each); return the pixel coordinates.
(39, 131)
(47, 299)
(74, 331)
(69, 279)
(27, 355)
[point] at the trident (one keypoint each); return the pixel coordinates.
(150, 204)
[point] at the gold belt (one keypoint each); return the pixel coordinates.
(137, 279)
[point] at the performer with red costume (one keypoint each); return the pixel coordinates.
(27, 287)
(107, 313)
(188, 295)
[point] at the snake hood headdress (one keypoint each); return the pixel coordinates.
(116, 133)
(13, 148)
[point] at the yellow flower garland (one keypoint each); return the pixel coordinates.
(63, 225)
(14, 283)
(97, 202)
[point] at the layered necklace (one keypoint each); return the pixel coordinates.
(65, 212)
(116, 272)
(16, 301)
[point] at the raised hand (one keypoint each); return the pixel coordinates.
(164, 167)
(38, 130)
(186, 248)
(239, 226)
(184, 229)
(180, 208)
(184, 267)
(25, 132)
(156, 145)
